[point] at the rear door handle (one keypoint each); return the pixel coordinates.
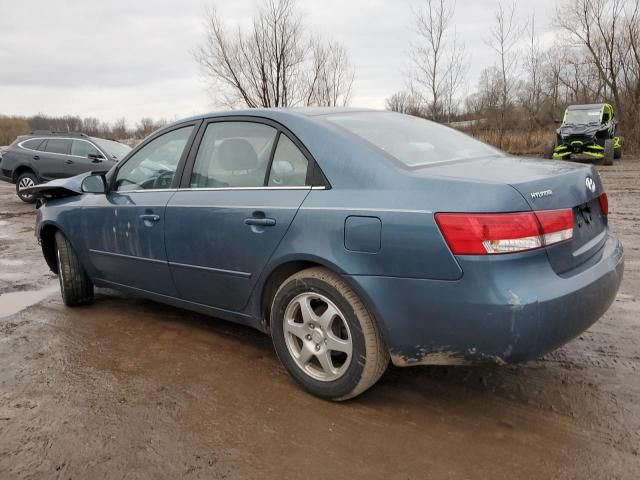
(69, 162)
(150, 218)
(36, 157)
(263, 222)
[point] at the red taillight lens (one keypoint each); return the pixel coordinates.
(491, 233)
(604, 204)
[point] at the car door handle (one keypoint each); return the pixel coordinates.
(262, 222)
(69, 162)
(150, 218)
(36, 157)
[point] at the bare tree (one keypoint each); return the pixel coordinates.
(437, 56)
(406, 101)
(119, 129)
(502, 39)
(457, 70)
(331, 75)
(533, 64)
(147, 126)
(594, 24)
(275, 63)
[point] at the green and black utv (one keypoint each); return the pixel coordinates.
(587, 130)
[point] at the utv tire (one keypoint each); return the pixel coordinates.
(608, 152)
(617, 152)
(549, 149)
(25, 180)
(75, 285)
(325, 337)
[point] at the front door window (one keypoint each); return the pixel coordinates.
(154, 165)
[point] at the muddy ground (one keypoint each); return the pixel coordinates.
(130, 389)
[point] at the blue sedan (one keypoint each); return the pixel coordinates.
(352, 237)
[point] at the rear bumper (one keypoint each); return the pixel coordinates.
(504, 309)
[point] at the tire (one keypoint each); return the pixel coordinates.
(608, 152)
(332, 374)
(26, 179)
(75, 285)
(549, 149)
(617, 152)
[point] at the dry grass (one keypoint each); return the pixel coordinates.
(533, 142)
(518, 142)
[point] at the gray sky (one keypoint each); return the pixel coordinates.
(132, 58)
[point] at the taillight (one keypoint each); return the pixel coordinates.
(604, 204)
(491, 233)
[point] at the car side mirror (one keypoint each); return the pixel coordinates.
(94, 184)
(95, 157)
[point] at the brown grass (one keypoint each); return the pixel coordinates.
(533, 142)
(517, 142)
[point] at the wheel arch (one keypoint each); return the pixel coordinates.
(47, 237)
(20, 170)
(279, 272)
(282, 270)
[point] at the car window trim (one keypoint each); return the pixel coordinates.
(185, 182)
(181, 162)
(59, 138)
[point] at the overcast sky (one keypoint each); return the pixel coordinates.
(114, 58)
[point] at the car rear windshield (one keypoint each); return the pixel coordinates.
(115, 150)
(411, 140)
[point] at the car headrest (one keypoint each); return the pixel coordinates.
(237, 154)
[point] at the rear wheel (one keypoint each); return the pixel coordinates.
(75, 285)
(325, 337)
(608, 152)
(26, 180)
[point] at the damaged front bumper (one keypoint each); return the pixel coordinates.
(504, 309)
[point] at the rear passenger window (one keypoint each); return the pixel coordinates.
(32, 144)
(58, 145)
(289, 168)
(81, 148)
(233, 154)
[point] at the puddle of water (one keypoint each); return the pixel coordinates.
(14, 302)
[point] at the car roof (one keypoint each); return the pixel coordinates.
(588, 106)
(277, 112)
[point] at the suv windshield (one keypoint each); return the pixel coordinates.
(115, 150)
(582, 117)
(411, 140)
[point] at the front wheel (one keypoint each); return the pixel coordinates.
(549, 150)
(26, 180)
(75, 285)
(325, 337)
(617, 148)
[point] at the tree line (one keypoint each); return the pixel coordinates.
(11, 127)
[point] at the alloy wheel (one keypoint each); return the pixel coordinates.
(25, 182)
(317, 336)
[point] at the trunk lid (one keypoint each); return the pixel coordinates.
(545, 185)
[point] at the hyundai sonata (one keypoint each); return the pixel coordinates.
(351, 237)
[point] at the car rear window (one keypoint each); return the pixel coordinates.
(411, 140)
(33, 144)
(58, 145)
